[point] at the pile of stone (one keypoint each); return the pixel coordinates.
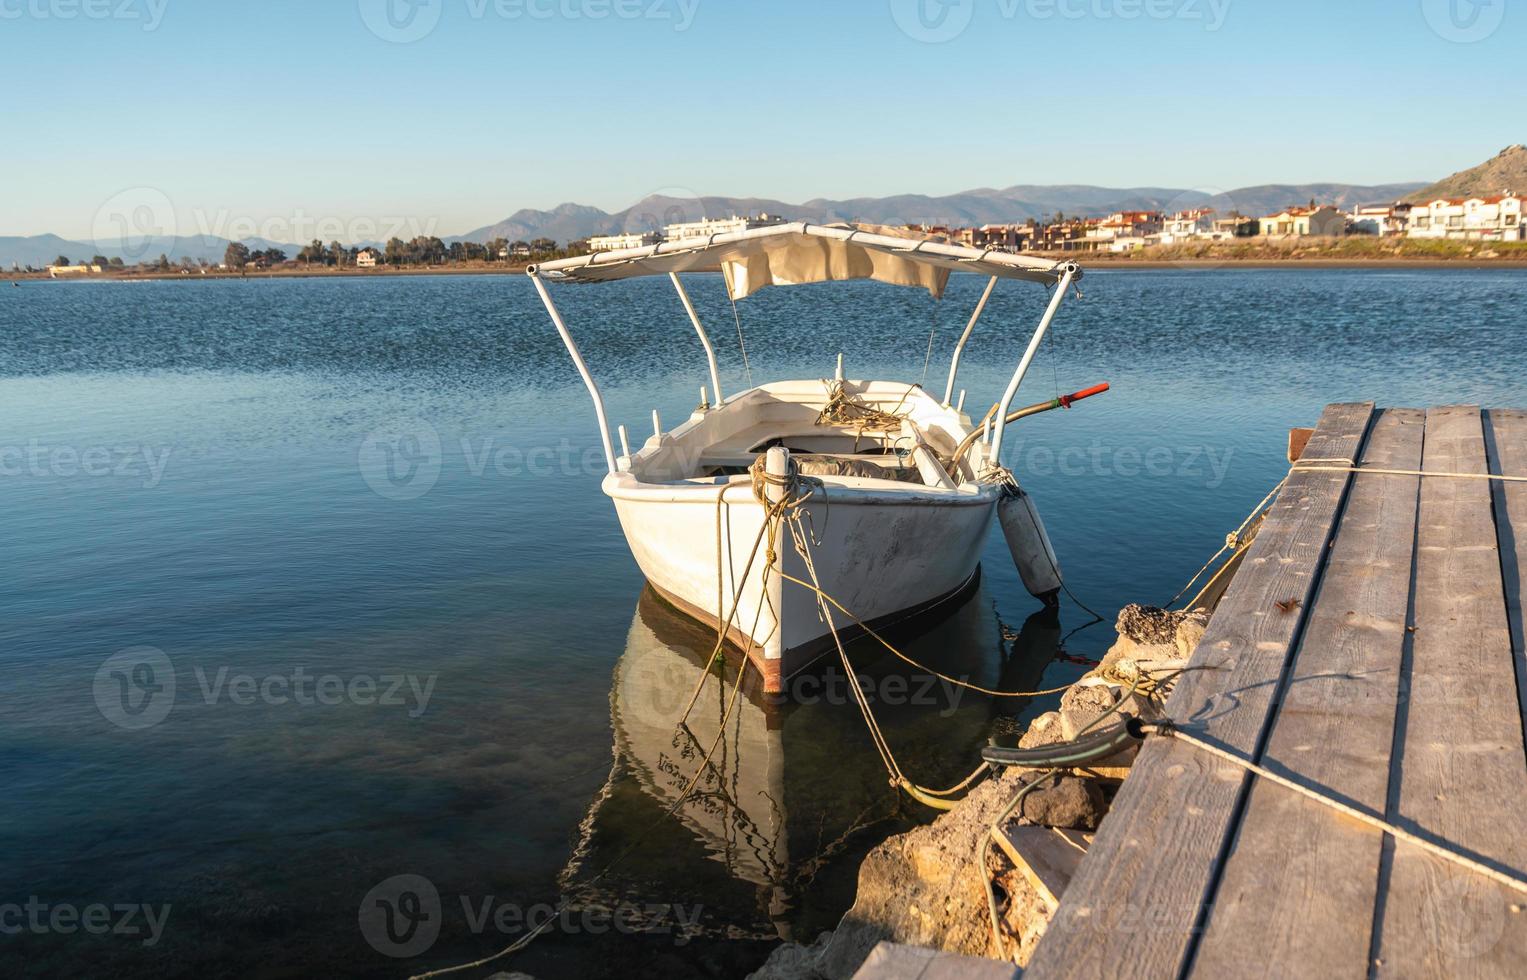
(925, 888)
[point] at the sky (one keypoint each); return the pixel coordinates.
(243, 117)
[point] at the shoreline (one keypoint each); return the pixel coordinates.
(1090, 261)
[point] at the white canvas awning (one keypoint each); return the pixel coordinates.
(784, 255)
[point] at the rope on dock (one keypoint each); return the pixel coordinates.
(1350, 466)
(1446, 851)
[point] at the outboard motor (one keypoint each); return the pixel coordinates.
(1029, 545)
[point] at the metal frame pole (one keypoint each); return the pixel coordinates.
(583, 369)
(959, 348)
(710, 352)
(1000, 422)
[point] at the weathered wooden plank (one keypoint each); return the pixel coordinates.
(1297, 894)
(890, 961)
(1460, 777)
(1506, 448)
(1135, 904)
(1047, 856)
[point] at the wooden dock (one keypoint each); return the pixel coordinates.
(1370, 648)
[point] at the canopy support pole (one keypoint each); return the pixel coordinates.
(710, 352)
(583, 369)
(954, 365)
(1000, 422)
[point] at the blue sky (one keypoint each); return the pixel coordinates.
(327, 108)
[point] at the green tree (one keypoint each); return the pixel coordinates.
(236, 256)
(61, 260)
(99, 260)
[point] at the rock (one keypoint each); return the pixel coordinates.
(1068, 802)
(924, 887)
(792, 961)
(1044, 730)
(1189, 631)
(1148, 625)
(1089, 698)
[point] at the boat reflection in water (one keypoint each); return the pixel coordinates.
(794, 793)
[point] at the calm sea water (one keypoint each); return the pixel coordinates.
(459, 677)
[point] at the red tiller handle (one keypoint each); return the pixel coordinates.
(1076, 396)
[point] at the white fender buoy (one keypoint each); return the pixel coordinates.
(1029, 545)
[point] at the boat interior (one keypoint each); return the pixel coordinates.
(719, 444)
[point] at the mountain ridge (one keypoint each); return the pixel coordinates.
(569, 221)
(1507, 170)
(1016, 203)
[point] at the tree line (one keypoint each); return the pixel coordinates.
(424, 250)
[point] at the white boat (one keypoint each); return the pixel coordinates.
(902, 485)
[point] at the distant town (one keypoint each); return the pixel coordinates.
(1488, 218)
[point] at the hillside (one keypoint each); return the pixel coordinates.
(1016, 203)
(1507, 170)
(974, 207)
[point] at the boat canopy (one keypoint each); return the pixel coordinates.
(790, 254)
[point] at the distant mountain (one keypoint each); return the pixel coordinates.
(562, 223)
(975, 207)
(1507, 170)
(42, 250)
(980, 206)
(1272, 198)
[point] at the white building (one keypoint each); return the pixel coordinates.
(706, 227)
(1497, 218)
(1197, 223)
(54, 271)
(1379, 219)
(614, 243)
(367, 258)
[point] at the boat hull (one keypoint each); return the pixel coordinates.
(883, 555)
